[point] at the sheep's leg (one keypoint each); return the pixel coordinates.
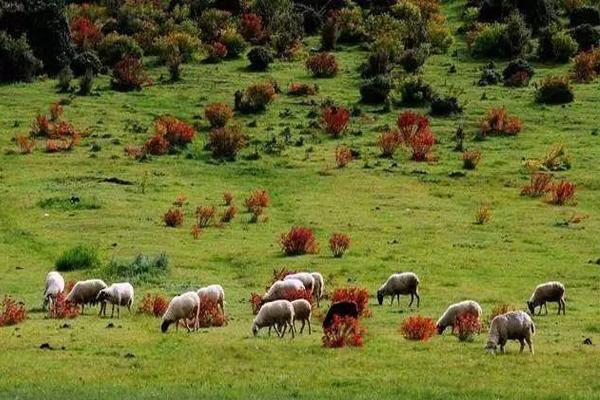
(522, 345)
(530, 345)
(541, 308)
(564, 304)
(187, 325)
(283, 330)
(546, 307)
(293, 329)
(119, 311)
(392, 302)
(309, 328)
(418, 299)
(269, 331)
(82, 307)
(412, 298)
(302, 328)
(398, 299)
(176, 325)
(112, 312)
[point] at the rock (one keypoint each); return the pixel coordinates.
(65, 326)
(110, 325)
(588, 341)
(45, 346)
(129, 355)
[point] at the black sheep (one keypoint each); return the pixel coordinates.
(342, 309)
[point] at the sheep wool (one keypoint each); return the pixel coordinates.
(549, 292)
(86, 292)
(319, 287)
(279, 289)
(119, 294)
(302, 312)
(514, 325)
(305, 277)
(185, 306)
(213, 293)
(400, 283)
(454, 311)
(54, 285)
(276, 314)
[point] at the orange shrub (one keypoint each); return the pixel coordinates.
(470, 159)
(466, 326)
(388, 143)
(335, 120)
(226, 142)
(205, 215)
(417, 327)
(322, 65)
(344, 331)
(421, 145)
(227, 198)
(56, 111)
(585, 66)
(343, 156)
(357, 295)
(339, 243)
(562, 193)
(196, 232)
(211, 313)
(84, 33)
(25, 143)
(173, 218)
(218, 114)
(180, 200)
(299, 240)
(63, 309)
(540, 184)
(153, 305)
(157, 145)
(255, 302)
(483, 215)
(302, 89)
(12, 312)
(130, 74)
(498, 122)
(259, 198)
(410, 123)
(176, 132)
(229, 213)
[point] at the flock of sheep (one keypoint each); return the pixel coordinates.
(280, 314)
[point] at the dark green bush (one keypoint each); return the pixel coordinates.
(329, 35)
(554, 90)
(114, 47)
(63, 79)
(79, 257)
(17, 62)
(555, 44)
(141, 269)
(517, 73)
(413, 59)
(586, 36)
(489, 76)
(584, 15)
(515, 41)
(86, 60)
(376, 90)
(260, 57)
(443, 106)
(488, 41)
(415, 92)
(377, 63)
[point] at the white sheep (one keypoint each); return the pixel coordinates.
(86, 292)
(400, 283)
(454, 311)
(547, 292)
(280, 289)
(119, 294)
(514, 325)
(319, 288)
(306, 278)
(214, 293)
(54, 285)
(276, 314)
(302, 312)
(183, 307)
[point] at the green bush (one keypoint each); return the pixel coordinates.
(555, 44)
(233, 41)
(415, 92)
(260, 57)
(413, 59)
(376, 90)
(515, 40)
(554, 90)
(488, 41)
(141, 269)
(17, 62)
(69, 203)
(114, 47)
(79, 257)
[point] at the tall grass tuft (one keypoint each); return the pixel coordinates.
(141, 269)
(78, 257)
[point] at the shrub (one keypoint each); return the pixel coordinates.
(302, 89)
(129, 74)
(154, 305)
(115, 47)
(555, 90)
(218, 114)
(78, 257)
(251, 27)
(556, 44)
(539, 185)
(378, 63)
(500, 309)
(515, 40)
(229, 213)
(499, 123)
(483, 215)
(228, 198)
(466, 326)
(470, 159)
(176, 132)
(586, 36)
(226, 142)
(141, 269)
(417, 327)
(486, 40)
(181, 44)
(410, 123)
(555, 159)
(489, 76)
(157, 145)
(216, 52)
(339, 243)
(63, 309)
(86, 82)
(517, 73)
(584, 15)
(260, 57)
(196, 232)
(388, 143)
(421, 145)
(329, 34)
(205, 215)
(212, 22)
(255, 302)
(357, 295)
(210, 313)
(322, 65)
(586, 66)
(343, 156)
(344, 331)
(413, 59)
(562, 193)
(84, 33)
(63, 79)
(442, 106)
(299, 240)
(233, 41)
(173, 218)
(415, 91)
(258, 200)
(13, 313)
(17, 61)
(25, 143)
(255, 98)
(376, 90)
(87, 59)
(335, 120)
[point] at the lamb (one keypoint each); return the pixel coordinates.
(214, 293)
(400, 283)
(454, 311)
(306, 278)
(302, 312)
(119, 294)
(279, 289)
(86, 292)
(547, 292)
(318, 288)
(342, 309)
(185, 306)
(276, 314)
(514, 325)
(55, 284)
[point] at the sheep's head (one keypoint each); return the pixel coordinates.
(102, 296)
(164, 326)
(254, 329)
(380, 297)
(440, 329)
(491, 347)
(531, 307)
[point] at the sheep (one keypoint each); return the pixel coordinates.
(454, 311)
(400, 283)
(214, 293)
(276, 314)
(279, 290)
(342, 309)
(514, 325)
(86, 292)
(305, 277)
(318, 288)
(185, 306)
(547, 292)
(55, 284)
(120, 294)
(302, 312)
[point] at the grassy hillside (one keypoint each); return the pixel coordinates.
(401, 215)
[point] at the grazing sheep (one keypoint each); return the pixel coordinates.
(276, 314)
(547, 292)
(302, 312)
(120, 294)
(514, 325)
(342, 309)
(214, 293)
(55, 284)
(185, 306)
(306, 278)
(454, 311)
(400, 283)
(318, 288)
(278, 290)
(86, 292)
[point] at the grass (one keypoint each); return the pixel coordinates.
(78, 257)
(401, 216)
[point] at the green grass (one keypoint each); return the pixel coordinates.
(400, 215)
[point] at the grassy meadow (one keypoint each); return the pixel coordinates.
(401, 216)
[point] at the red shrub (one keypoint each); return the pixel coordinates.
(60, 145)
(417, 327)
(218, 114)
(344, 331)
(12, 312)
(421, 145)
(217, 51)
(585, 66)
(41, 126)
(255, 302)
(196, 232)
(210, 313)
(25, 143)
(339, 243)
(129, 74)
(466, 326)
(357, 295)
(498, 122)
(410, 123)
(470, 159)
(258, 198)
(388, 142)
(335, 120)
(63, 309)
(562, 193)
(173, 217)
(302, 89)
(153, 305)
(227, 198)
(343, 156)
(226, 142)
(177, 132)
(322, 65)
(229, 214)
(299, 240)
(84, 33)
(279, 275)
(251, 27)
(540, 184)
(205, 215)
(157, 145)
